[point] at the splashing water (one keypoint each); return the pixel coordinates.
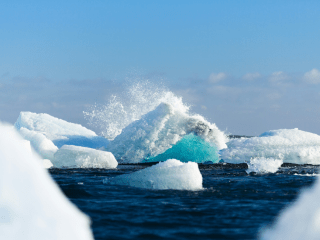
(138, 99)
(148, 120)
(264, 165)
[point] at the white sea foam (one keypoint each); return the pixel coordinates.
(291, 145)
(32, 206)
(171, 174)
(301, 220)
(82, 157)
(264, 165)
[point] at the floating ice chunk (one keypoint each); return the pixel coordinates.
(82, 157)
(301, 220)
(264, 165)
(171, 174)
(159, 130)
(31, 205)
(291, 145)
(47, 163)
(43, 146)
(60, 132)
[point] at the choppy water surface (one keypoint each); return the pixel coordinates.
(234, 205)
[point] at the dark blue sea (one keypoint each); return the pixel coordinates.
(233, 205)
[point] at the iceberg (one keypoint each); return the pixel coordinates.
(301, 220)
(290, 145)
(162, 128)
(81, 157)
(171, 174)
(31, 204)
(58, 131)
(42, 145)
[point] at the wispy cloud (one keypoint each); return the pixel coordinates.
(312, 77)
(217, 77)
(251, 76)
(278, 77)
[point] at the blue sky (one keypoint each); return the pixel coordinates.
(59, 56)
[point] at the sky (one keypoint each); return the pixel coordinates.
(248, 66)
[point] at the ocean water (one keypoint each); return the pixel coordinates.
(233, 205)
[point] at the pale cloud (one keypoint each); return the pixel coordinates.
(274, 96)
(217, 77)
(278, 77)
(312, 77)
(251, 76)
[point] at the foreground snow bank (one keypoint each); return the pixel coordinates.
(171, 174)
(291, 145)
(301, 220)
(162, 128)
(31, 205)
(82, 157)
(58, 131)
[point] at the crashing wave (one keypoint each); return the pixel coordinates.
(161, 129)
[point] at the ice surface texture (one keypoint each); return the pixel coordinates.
(291, 145)
(159, 130)
(82, 157)
(60, 132)
(171, 174)
(301, 220)
(31, 205)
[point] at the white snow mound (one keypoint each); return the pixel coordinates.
(171, 174)
(31, 205)
(291, 145)
(159, 130)
(82, 157)
(301, 220)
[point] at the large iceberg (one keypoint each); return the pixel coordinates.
(301, 220)
(171, 174)
(162, 128)
(290, 145)
(82, 157)
(31, 205)
(60, 132)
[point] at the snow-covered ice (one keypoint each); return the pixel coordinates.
(81, 157)
(60, 132)
(42, 145)
(301, 220)
(159, 130)
(291, 145)
(31, 204)
(264, 165)
(171, 174)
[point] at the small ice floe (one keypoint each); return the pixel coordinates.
(293, 145)
(307, 174)
(32, 206)
(301, 220)
(82, 157)
(264, 165)
(171, 174)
